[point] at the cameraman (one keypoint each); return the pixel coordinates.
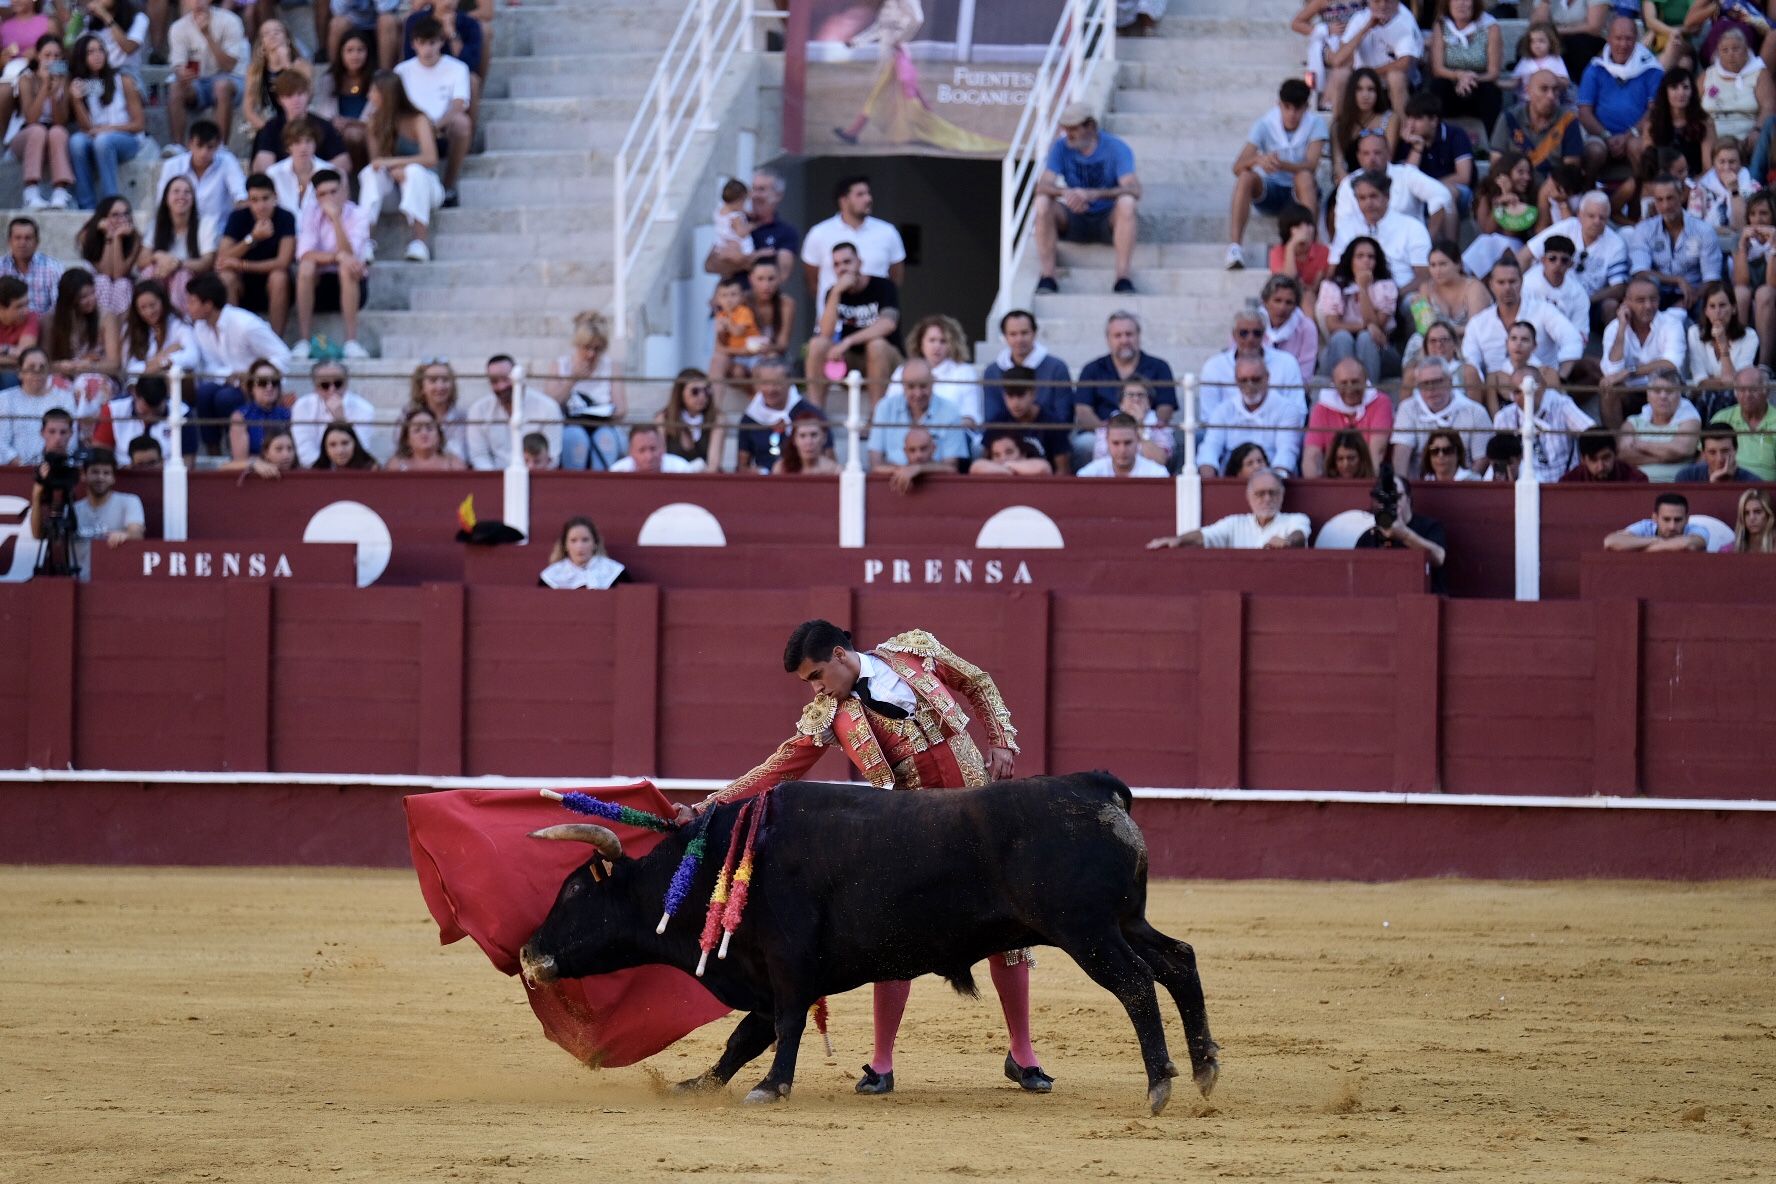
(101, 514)
(1398, 528)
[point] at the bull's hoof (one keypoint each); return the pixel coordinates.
(1158, 1094)
(1209, 1070)
(702, 1083)
(762, 1096)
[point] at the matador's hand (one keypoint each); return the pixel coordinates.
(1000, 763)
(683, 814)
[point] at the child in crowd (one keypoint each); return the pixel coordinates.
(732, 227)
(738, 342)
(1540, 50)
(1301, 253)
(1721, 193)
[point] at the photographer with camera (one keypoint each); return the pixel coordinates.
(1397, 528)
(67, 530)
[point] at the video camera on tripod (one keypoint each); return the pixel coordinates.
(57, 478)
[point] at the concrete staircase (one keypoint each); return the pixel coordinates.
(1184, 100)
(530, 245)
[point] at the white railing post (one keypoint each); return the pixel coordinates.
(851, 481)
(175, 490)
(1190, 482)
(620, 252)
(1529, 504)
(516, 485)
(705, 84)
(1076, 67)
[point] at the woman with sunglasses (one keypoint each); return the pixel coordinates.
(266, 408)
(1445, 458)
(419, 448)
(690, 423)
(332, 401)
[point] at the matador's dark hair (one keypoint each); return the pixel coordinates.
(813, 641)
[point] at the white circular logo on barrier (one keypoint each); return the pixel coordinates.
(18, 550)
(1720, 535)
(354, 522)
(682, 524)
(1342, 531)
(1020, 528)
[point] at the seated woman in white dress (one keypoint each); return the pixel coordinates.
(579, 559)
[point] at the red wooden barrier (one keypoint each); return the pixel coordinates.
(1217, 689)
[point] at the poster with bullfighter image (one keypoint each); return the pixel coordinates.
(922, 77)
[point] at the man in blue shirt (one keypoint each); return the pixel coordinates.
(1098, 394)
(1052, 381)
(1615, 94)
(1088, 192)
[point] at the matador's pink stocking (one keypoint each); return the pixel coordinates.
(1013, 985)
(891, 1001)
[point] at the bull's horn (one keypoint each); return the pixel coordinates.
(603, 838)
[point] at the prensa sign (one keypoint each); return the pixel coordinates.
(954, 571)
(258, 561)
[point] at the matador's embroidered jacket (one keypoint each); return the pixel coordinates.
(930, 749)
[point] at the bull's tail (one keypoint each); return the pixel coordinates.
(962, 980)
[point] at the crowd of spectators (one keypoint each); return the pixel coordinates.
(281, 159)
(1585, 208)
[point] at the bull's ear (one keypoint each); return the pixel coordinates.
(603, 838)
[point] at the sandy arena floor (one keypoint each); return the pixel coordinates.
(255, 1026)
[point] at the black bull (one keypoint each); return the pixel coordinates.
(854, 886)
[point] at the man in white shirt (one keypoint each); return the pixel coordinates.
(1277, 163)
(878, 244)
(490, 417)
(1218, 385)
(213, 171)
(1123, 438)
(1640, 342)
(1558, 343)
(228, 340)
(1555, 283)
(1403, 240)
(1273, 422)
(1412, 193)
(1436, 404)
(1266, 528)
(1386, 38)
(1602, 262)
(330, 402)
(438, 85)
(647, 454)
(1559, 424)
(207, 49)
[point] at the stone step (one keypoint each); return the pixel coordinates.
(580, 247)
(439, 326)
(613, 63)
(529, 163)
(1280, 11)
(1157, 136)
(395, 282)
(1205, 282)
(1172, 64)
(1147, 255)
(603, 135)
(583, 34)
(573, 109)
(480, 192)
(604, 79)
(484, 297)
(569, 218)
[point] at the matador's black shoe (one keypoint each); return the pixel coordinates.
(873, 1082)
(1032, 1079)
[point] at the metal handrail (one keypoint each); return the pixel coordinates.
(1084, 39)
(675, 106)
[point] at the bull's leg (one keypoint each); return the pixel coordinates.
(751, 1036)
(1113, 965)
(791, 1019)
(1174, 965)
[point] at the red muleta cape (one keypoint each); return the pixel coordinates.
(484, 877)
